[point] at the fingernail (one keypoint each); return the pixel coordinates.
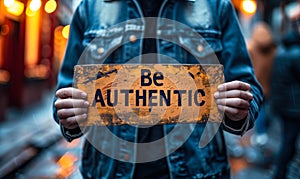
(86, 104)
(84, 116)
(220, 87)
(83, 95)
(251, 96)
(216, 94)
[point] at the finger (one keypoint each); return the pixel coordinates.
(70, 92)
(234, 102)
(69, 124)
(233, 113)
(73, 122)
(66, 113)
(71, 103)
(234, 85)
(246, 95)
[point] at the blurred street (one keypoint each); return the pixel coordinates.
(32, 146)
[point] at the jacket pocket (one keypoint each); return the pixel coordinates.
(101, 44)
(203, 48)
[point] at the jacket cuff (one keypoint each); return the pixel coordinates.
(237, 127)
(70, 134)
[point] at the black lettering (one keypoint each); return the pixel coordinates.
(151, 98)
(109, 102)
(126, 92)
(179, 92)
(98, 98)
(196, 97)
(138, 97)
(145, 74)
(158, 76)
(163, 97)
(190, 97)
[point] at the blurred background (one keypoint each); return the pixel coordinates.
(33, 37)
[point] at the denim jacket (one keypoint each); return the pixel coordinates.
(216, 21)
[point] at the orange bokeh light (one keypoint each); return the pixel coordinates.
(16, 8)
(249, 6)
(66, 165)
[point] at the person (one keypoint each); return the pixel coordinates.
(262, 50)
(239, 97)
(284, 94)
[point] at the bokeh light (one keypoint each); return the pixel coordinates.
(35, 5)
(16, 8)
(249, 6)
(66, 31)
(50, 6)
(8, 3)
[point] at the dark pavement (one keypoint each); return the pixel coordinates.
(32, 146)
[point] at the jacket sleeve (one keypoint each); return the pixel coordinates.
(238, 66)
(65, 78)
(295, 64)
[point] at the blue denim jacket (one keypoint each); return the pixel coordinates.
(216, 21)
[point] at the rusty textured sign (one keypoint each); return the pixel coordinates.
(149, 94)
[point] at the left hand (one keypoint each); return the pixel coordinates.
(234, 98)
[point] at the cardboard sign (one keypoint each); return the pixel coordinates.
(149, 94)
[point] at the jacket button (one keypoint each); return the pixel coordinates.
(132, 38)
(126, 157)
(100, 50)
(200, 48)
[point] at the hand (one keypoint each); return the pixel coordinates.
(72, 107)
(234, 98)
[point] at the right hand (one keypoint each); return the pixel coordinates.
(72, 107)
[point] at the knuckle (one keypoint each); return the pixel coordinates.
(62, 122)
(241, 94)
(77, 118)
(83, 110)
(235, 111)
(239, 102)
(235, 82)
(59, 113)
(77, 111)
(221, 107)
(85, 103)
(240, 84)
(64, 94)
(82, 103)
(248, 105)
(221, 95)
(81, 118)
(70, 121)
(248, 95)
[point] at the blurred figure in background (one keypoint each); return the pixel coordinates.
(286, 91)
(262, 50)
